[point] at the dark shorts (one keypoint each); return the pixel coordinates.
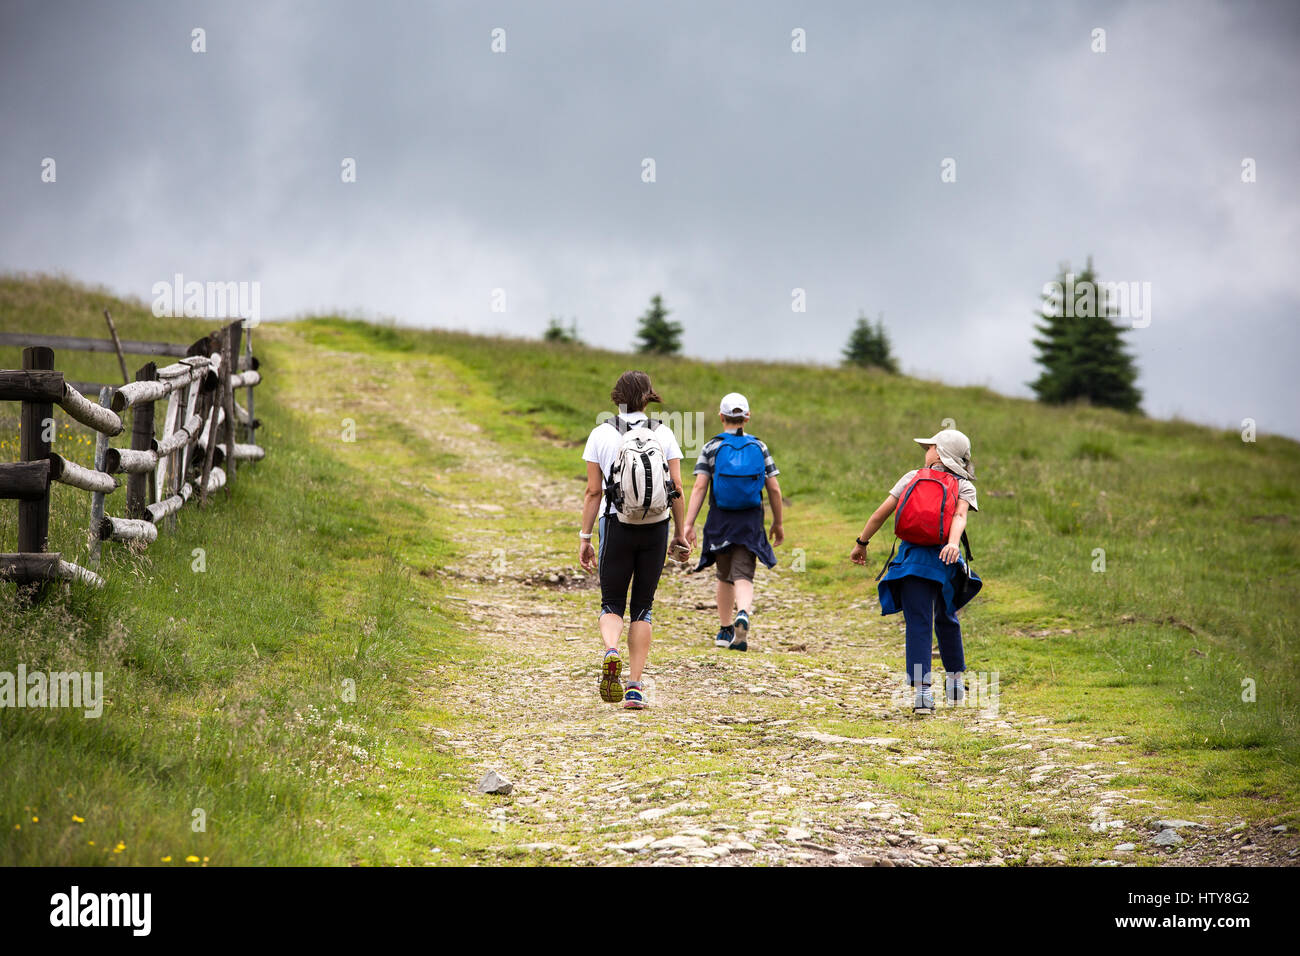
(631, 554)
(737, 563)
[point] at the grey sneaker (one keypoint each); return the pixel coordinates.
(954, 687)
(923, 702)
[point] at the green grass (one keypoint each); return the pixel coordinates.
(225, 686)
(1197, 528)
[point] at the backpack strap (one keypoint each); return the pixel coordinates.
(965, 543)
(892, 548)
(611, 492)
(611, 489)
(623, 426)
(649, 484)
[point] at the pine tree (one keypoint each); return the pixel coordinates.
(869, 346)
(557, 331)
(1083, 354)
(657, 334)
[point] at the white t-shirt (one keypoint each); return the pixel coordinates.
(603, 442)
(965, 488)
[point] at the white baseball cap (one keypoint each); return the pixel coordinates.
(954, 451)
(734, 405)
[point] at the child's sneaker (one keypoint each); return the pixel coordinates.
(741, 627)
(633, 699)
(923, 702)
(954, 687)
(725, 634)
(611, 667)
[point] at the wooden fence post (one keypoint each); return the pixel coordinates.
(137, 486)
(210, 450)
(252, 426)
(97, 498)
(117, 345)
(208, 397)
(207, 401)
(34, 515)
(184, 396)
(229, 356)
(142, 440)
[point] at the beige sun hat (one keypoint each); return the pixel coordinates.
(954, 451)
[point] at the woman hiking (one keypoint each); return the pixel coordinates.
(634, 480)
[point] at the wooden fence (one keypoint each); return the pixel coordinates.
(196, 453)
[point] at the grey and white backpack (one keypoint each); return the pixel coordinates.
(640, 487)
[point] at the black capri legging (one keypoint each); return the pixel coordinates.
(631, 554)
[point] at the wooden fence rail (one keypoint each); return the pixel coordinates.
(196, 454)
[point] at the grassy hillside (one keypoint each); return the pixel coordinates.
(225, 685)
(1198, 527)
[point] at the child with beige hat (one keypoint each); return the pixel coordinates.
(928, 581)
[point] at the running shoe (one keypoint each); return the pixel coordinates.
(611, 667)
(633, 699)
(725, 634)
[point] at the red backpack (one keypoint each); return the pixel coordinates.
(927, 507)
(925, 512)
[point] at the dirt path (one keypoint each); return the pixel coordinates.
(798, 751)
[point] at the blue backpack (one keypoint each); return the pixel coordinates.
(739, 473)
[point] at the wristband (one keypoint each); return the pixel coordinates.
(861, 542)
(584, 537)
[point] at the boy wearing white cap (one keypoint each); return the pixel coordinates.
(735, 468)
(929, 581)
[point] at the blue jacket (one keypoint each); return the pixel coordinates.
(959, 582)
(727, 529)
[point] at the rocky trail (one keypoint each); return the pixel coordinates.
(800, 751)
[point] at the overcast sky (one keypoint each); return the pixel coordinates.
(775, 170)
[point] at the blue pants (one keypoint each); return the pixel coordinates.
(923, 608)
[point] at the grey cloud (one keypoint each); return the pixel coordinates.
(775, 170)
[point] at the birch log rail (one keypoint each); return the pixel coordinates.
(93, 416)
(194, 456)
(78, 476)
